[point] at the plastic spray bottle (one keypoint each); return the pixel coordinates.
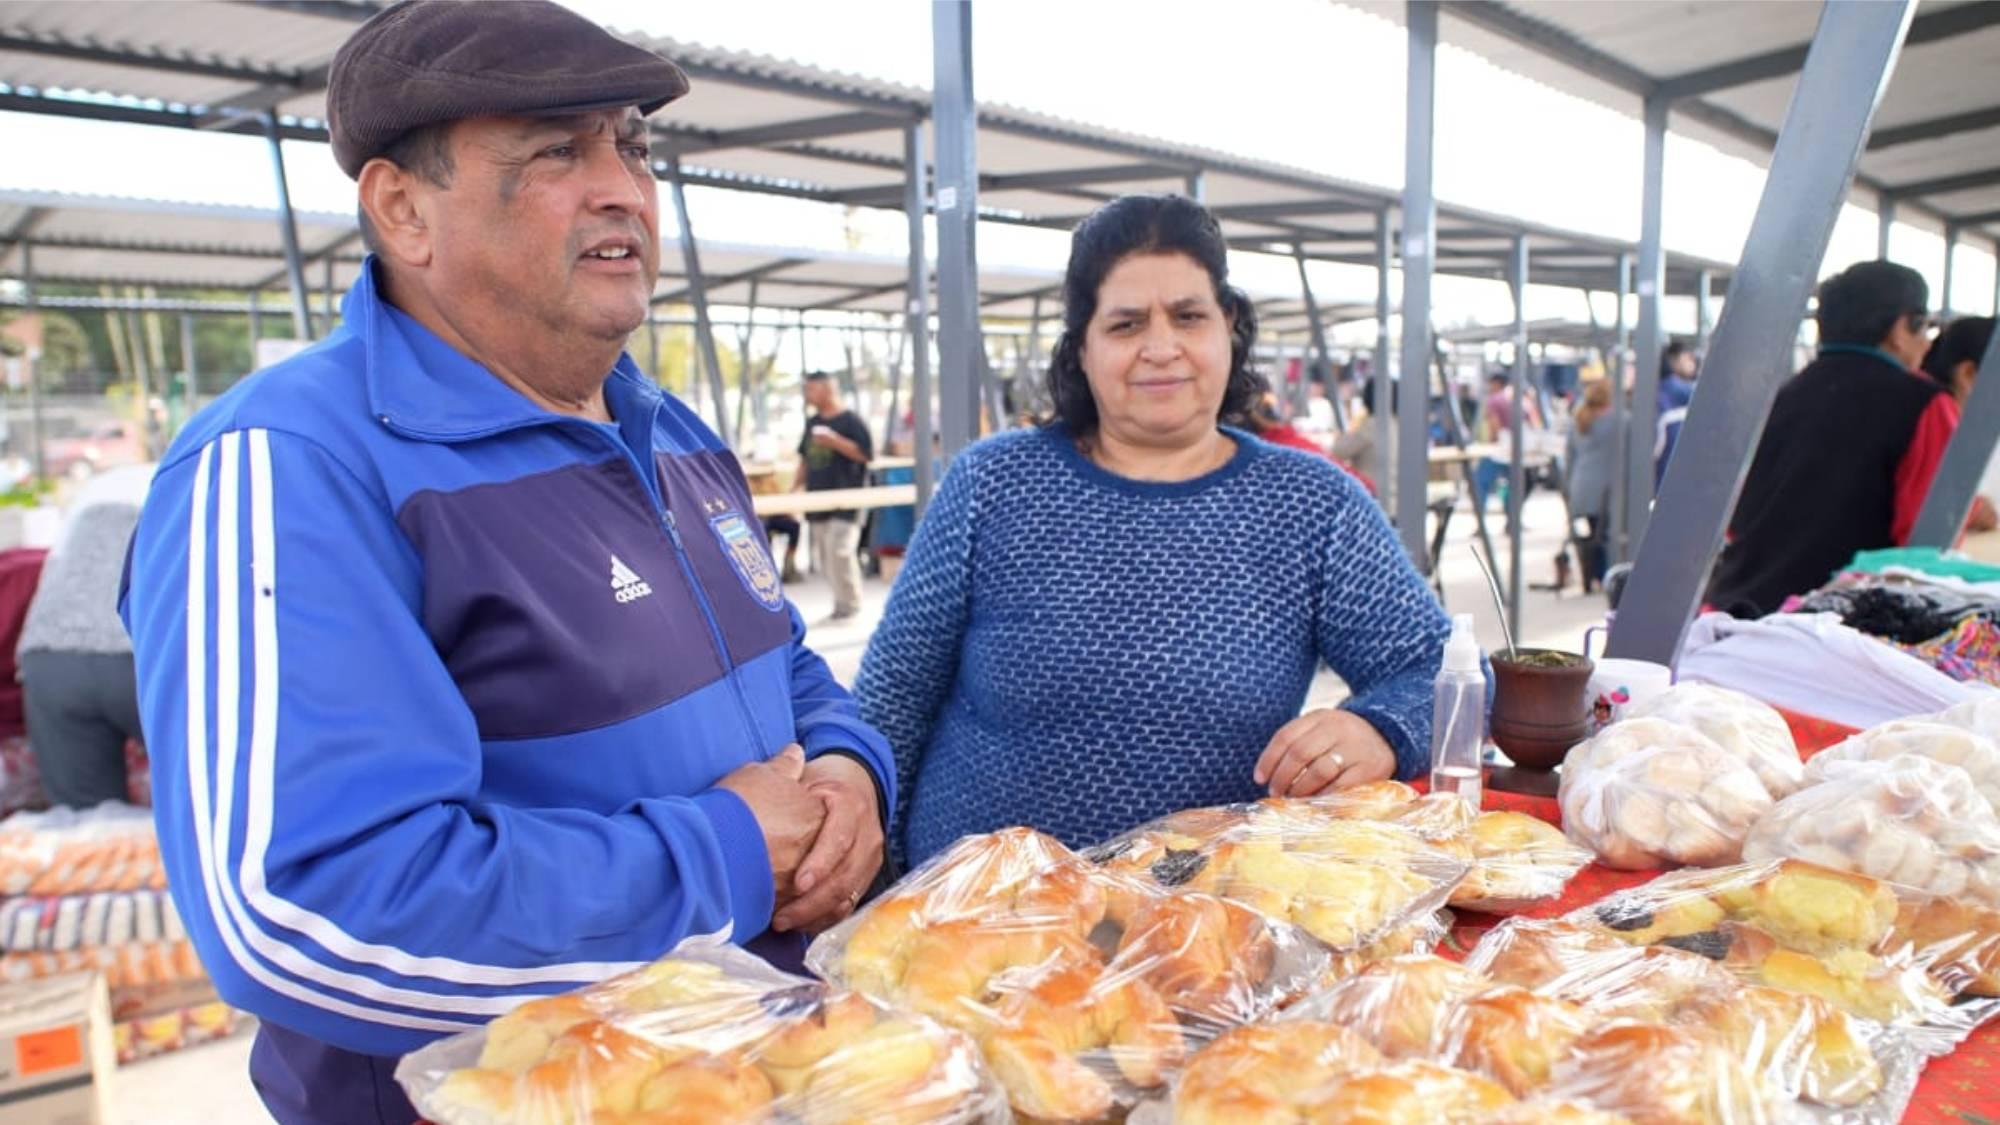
(1458, 718)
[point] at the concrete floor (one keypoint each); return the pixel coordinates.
(207, 1085)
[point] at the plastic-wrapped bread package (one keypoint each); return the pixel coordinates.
(1517, 861)
(1304, 1072)
(1975, 753)
(1906, 820)
(1511, 1035)
(1647, 793)
(708, 1034)
(1397, 1004)
(1421, 936)
(1083, 989)
(1749, 730)
(1341, 876)
(1885, 954)
(1980, 715)
(64, 852)
(1656, 1074)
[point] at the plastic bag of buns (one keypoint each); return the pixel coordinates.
(707, 1034)
(1890, 955)
(1749, 730)
(1332, 866)
(1975, 753)
(1396, 1004)
(1517, 861)
(1303, 1072)
(1083, 988)
(1908, 820)
(1648, 793)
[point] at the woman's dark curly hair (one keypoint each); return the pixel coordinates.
(1145, 224)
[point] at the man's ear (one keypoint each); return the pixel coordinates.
(390, 195)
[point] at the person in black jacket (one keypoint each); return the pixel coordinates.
(1850, 447)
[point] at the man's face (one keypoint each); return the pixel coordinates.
(1909, 338)
(551, 225)
(1685, 364)
(819, 393)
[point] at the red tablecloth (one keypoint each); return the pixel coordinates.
(1962, 1088)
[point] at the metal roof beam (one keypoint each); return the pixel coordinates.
(703, 71)
(1979, 220)
(1935, 128)
(1052, 180)
(333, 247)
(1985, 177)
(1039, 291)
(761, 136)
(136, 246)
(863, 294)
(1549, 40)
(1249, 212)
(353, 11)
(714, 283)
(263, 98)
(57, 47)
(1927, 28)
(130, 115)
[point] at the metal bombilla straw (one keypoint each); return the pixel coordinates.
(1499, 606)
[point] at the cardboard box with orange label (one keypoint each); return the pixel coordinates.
(56, 1053)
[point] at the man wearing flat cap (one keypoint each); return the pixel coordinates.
(466, 673)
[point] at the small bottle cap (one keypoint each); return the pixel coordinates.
(1461, 652)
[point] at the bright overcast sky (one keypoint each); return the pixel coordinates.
(1302, 82)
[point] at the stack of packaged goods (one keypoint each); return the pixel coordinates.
(86, 891)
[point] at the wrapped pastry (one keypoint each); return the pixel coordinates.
(1421, 936)
(1958, 942)
(1408, 1093)
(1511, 1035)
(1533, 952)
(1270, 1074)
(1648, 792)
(1802, 1042)
(1980, 715)
(1910, 821)
(710, 1034)
(1084, 988)
(1977, 754)
(1646, 983)
(1397, 1004)
(1518, 861)
(1749, 730)
(1658, 1075)
(1552, 1111)
(1344, 878)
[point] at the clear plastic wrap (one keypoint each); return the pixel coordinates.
(64, 852)
(1083, 988)
(709, 1034)
(1327, 865)
(1656, 1074)
(1318, 1074)
(1397, 1004)
(1906, 820)
(1975, 753)
(1749, 730)
(1647, 793)
(1511, 1035)
(1517, 861)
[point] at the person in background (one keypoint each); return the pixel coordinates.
(1953, 360)
(1264, 421)
(1592, 459)
(1118, 615)
(1359, 448)
(1850, 447)
(81, 694)
(1678, 368)
(834, 453)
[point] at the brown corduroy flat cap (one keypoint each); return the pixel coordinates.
(423, 62)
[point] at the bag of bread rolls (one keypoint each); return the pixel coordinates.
(1085, 987)
(1341, 867)
(1647, 792)
(1749, 730)
(1517, 860)
(1907, 820)
(1952, 744)
(710, 1033)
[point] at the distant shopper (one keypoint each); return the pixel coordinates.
(834, 453)
(80, 692)
(1592, 459)
(1678, 368)
(1850, 447)
(1954, 362)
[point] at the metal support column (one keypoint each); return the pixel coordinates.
(1965, 458)
(1384, 376)
(1652, 338)
(1621, 408)
(38, 455)
(1197, 187)
(919, 316)
(189, 380)
(1517, 473)
(288, 230)
(1419, 244)
(961, 359)
(1320, 360)
(1704, 311)
(1944, 304)
(1885, 215)
(697, 286)
(1826, 127)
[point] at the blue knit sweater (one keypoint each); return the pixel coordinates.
(1080, 652)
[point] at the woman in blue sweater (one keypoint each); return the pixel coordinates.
(1118, 615)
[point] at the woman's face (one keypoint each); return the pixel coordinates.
(1156, 352)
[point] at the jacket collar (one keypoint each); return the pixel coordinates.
(1864, 349)
(422, 387)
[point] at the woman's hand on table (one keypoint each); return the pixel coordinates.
(1321, 751)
